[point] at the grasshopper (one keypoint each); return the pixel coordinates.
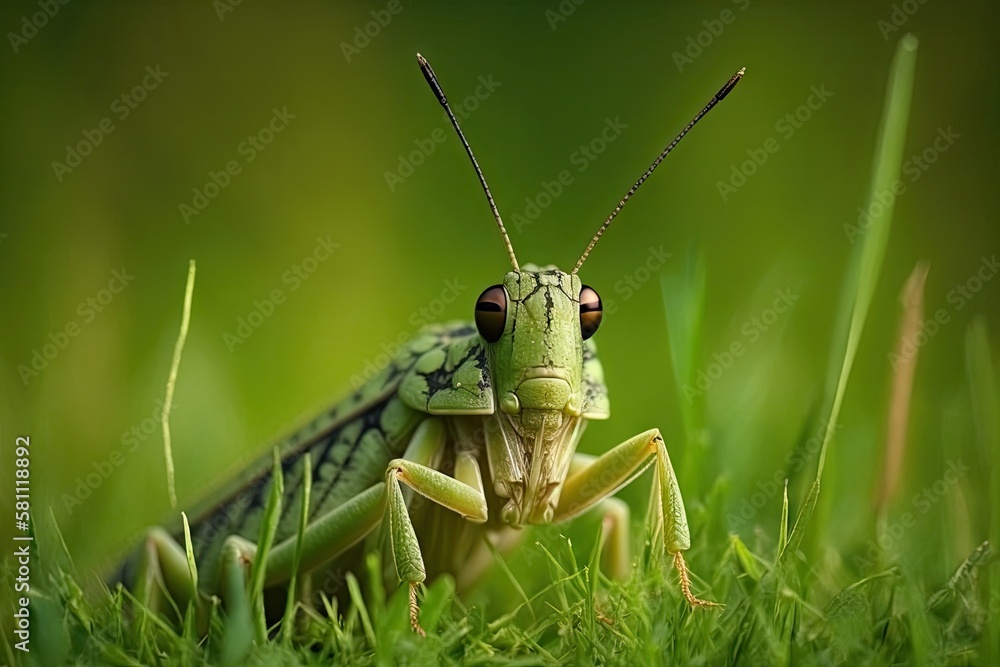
(481, 419)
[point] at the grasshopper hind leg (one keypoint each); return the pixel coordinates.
(481, 557)
(158, 574)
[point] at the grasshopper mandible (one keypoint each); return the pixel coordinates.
(481, 419)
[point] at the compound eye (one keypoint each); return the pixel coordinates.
(591, 311)
(491, 313)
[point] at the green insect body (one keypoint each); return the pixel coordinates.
(482, 420)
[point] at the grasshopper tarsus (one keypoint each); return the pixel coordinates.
(685, 577)
(415, 611)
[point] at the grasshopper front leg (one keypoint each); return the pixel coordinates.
(462, 494)
(333, 533)
(590, 483)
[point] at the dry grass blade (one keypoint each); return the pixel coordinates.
(904, 364)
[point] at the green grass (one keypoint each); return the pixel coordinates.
(791, 596)
(888, 617)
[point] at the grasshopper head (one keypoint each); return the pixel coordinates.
(534, 325)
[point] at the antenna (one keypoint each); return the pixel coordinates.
(432, 81)
(701, 114)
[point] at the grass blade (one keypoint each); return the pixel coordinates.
(287, 624)
(515, 584)
(168, 454)
(983, 394)
(354, 590)
(268, 528)
(189, 552)
(683, 303)
(744, 557)
(866, 259)
(783, 526)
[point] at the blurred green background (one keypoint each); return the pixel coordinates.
(356, 110)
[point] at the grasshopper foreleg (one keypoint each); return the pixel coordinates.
(462, 494)
(591, 482)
